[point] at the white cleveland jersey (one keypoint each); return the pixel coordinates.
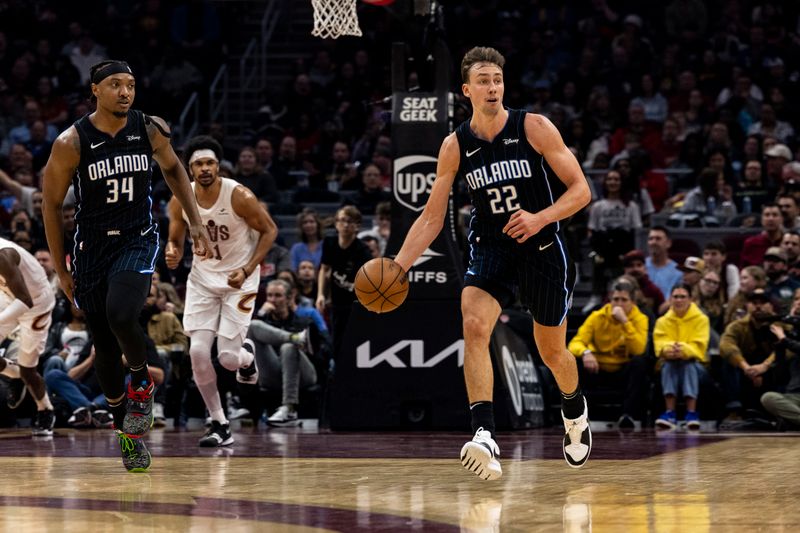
(32, 272)
(232, 240)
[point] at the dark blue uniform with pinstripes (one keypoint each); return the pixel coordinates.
(115, 231)
(503, 176)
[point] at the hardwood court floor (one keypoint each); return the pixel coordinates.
(296, 480)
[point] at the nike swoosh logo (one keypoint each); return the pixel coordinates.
(98, 144)
(469, 154)
(146, 231)
(546, 246)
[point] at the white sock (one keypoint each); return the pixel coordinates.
(11, 370)
(210, 395)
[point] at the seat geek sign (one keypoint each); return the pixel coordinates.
(419, 109)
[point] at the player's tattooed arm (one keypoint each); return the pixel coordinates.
(178, 181)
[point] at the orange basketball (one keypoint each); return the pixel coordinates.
(381, 285)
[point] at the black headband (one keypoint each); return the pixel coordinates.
(117, 67)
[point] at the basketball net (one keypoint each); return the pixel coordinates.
(334, 18)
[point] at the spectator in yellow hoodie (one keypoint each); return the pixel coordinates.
(680, 340)
(611, 343)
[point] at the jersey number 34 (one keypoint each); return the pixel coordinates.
(119, 187)
(503, 199)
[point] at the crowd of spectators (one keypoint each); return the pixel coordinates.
(681, 114)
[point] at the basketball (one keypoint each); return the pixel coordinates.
(381, 285)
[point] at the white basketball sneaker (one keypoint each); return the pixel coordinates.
(480, 456)
(578, 438)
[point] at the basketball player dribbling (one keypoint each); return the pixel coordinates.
(31, 299)
(220, 291)
(107, 155)
(523, 181)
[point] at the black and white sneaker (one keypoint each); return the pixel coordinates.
(81, 418)
(17, 391)
(217, 435)
(578, 438)
(480, 456)
(303, 341)
(102, 419)
(248, 375)
(43, 423)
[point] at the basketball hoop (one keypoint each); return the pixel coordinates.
(334, 18)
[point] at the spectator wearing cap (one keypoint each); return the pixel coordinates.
(611, 344)
(747, 346)
(780, 286)
(692, 268)
(633, 264)
(661, 269)
(776, 156)
(680, 339)
(786, 405)
(755, 247)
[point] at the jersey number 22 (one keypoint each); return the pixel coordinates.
(503, 199)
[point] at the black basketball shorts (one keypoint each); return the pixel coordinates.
(98, 257)
(541, 270)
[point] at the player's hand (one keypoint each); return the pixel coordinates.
(236, 278)
(523, 225)
(173, 256)
(200, 244)
(67, 285)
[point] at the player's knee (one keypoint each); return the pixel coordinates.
(228, 359)
(122, 316)
(202, 368)
(476, 328)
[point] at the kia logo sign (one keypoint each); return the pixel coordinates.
(413, 178)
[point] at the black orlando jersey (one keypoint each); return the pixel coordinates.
(113, 180)
(503, 176)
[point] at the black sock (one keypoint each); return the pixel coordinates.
(118, 413)
(482, 416)
(572, 404)
(139, 376)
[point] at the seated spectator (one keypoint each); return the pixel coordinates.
(710, 298)
(680, 339)
(171, 342)
(770, 125)
(382, 226)
(371, 192)
(754, 247)
(706, 198)
(282, 350)
(692, 269)
(714, 256)
(790, 212)
(168, 298)
(79, 388)
(786, 405)
(752, 187)
(307, 280)
(310, 246)
(611, 344)
(652, 297)
(780, 286)
(790, 244)
(249, 174)
(612, 223)
(661, 269)
(752, 278)
(372, 245)
(747, 347)
(342, 174)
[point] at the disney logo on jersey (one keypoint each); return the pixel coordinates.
(419, 109)
(413, 179)
(510, 141)
(121, 164)
(217, 233)
(134, 137)
(497, 172)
